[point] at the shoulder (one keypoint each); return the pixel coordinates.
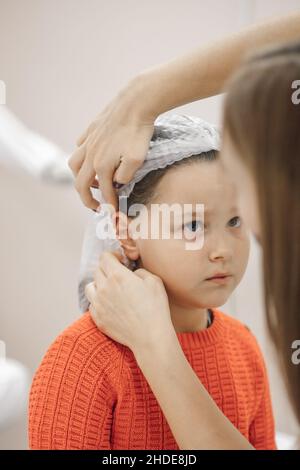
(82, 347)
(84, 331)
(75, 386)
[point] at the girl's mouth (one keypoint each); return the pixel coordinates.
(220, 278)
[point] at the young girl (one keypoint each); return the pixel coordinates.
(89, 392)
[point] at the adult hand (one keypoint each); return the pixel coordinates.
(130, 307)
(125, 127)
(113, 147)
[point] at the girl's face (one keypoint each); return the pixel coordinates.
(225, 249)
(247, 199)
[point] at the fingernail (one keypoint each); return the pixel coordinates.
(117, 185)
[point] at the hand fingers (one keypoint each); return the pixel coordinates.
(110, 263)
(76, 160)
(131, 160)
(82, 138)
(116, 254)
(126, 170)
(95, 314)
(90, 292)
(106, 184)
(143, 273)
(84, 179)
(94, 307)
(99, 278)
(95, 184)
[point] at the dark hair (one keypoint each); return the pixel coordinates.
(263, 124)
(144, 191)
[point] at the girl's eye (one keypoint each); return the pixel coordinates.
(235, 222)
(194, 225)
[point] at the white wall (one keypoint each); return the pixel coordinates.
(62, 61)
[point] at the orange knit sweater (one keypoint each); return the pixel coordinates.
(89, 393)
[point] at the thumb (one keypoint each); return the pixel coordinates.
(126, 170)
(143, 273)
(135, 154)
(118, 255)
(90, 291)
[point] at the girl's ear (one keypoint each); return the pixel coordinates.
(128, 244)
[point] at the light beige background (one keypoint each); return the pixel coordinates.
(62, 61)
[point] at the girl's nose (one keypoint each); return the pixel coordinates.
(219, 255)
(220, 251)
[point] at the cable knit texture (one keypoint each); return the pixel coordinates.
(89, 393)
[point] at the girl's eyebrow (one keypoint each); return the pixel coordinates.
(196, 214)
(213, 211)
(234, 209)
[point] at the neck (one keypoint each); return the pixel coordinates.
(186, 320)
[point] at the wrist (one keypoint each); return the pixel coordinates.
(157, 347)
(142, 95)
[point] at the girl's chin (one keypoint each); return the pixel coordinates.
(199, 299)
(204, 303)
(212, 301)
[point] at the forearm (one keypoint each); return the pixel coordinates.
(193, 416)
(204, 71)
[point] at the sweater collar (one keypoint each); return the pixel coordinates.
(207, 336)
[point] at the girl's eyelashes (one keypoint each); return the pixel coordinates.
(235, 222)
(194, 225)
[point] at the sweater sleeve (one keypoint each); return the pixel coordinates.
(262, 429)
(73, 395)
